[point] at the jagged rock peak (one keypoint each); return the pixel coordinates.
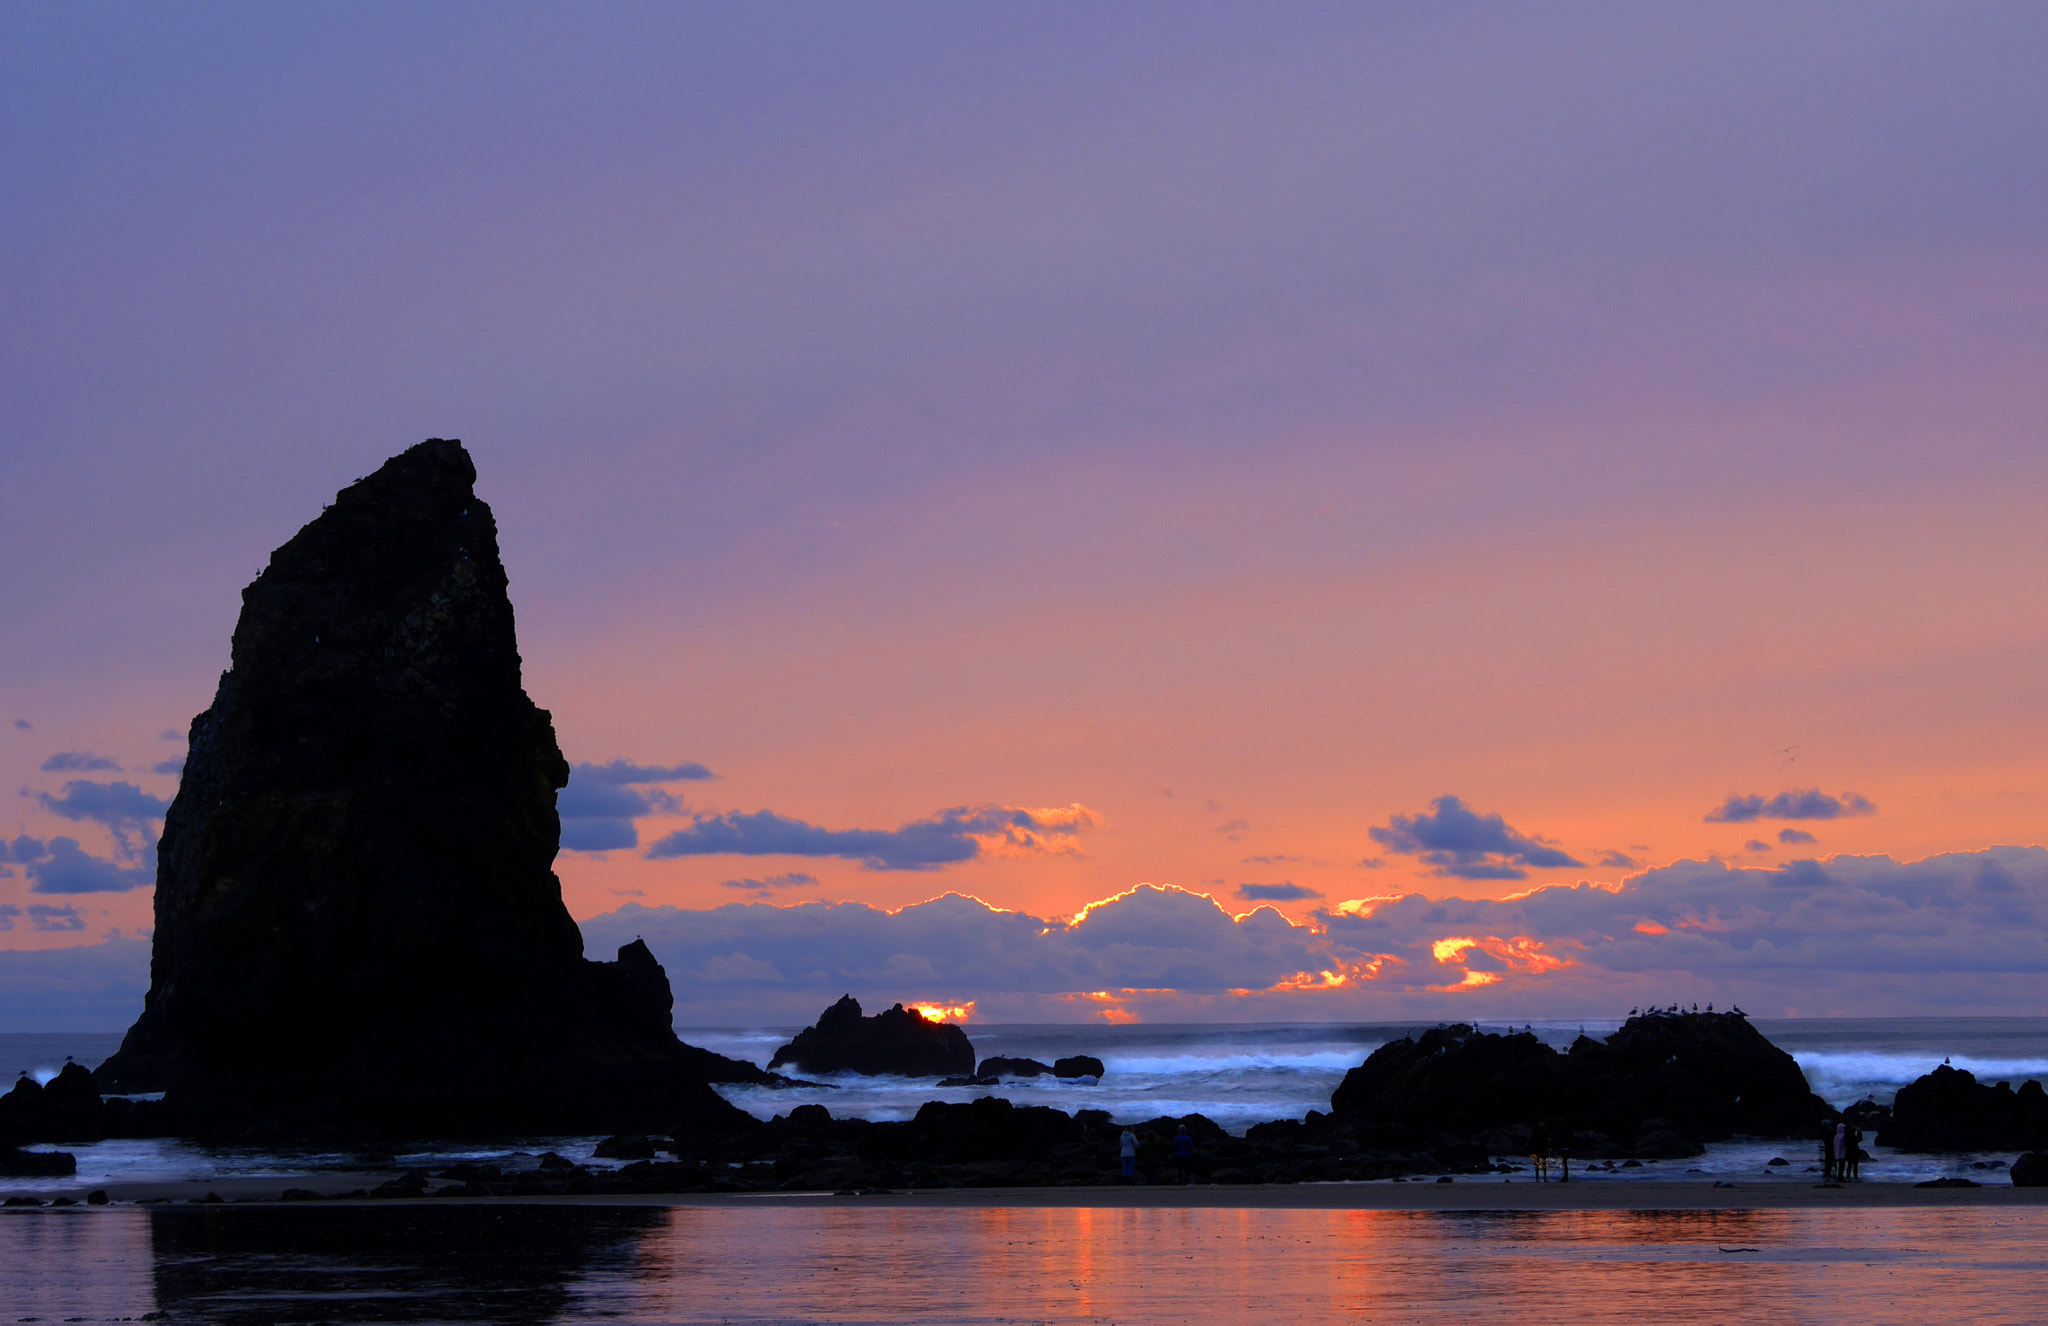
(355, 897)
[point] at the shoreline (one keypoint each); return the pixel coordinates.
(1474, 1194)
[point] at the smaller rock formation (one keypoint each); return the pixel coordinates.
(997, 1065)
(18, 1164)
(2030, 1170)
(1950, 1110)
(1660, 1087)
(899, 1041)
(1077, 1065)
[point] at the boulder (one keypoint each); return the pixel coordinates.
(36, 1164)
(899, 1041)
(358, 930)
(1077, 1065)
(998, 1066)
(2030, 1170)
(1950, 1110)
(1660, 1086)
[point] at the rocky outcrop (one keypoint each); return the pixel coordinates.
(1950, 1110)
(1659, 1087)
(358, 931)
(1077, 1065)
(2030, 1170)
(899, 1041)
(18, 1164)
(997, 1065)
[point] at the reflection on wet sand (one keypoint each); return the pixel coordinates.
(572, 1263)
(369, 1264)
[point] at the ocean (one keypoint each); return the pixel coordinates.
(1237, 1074)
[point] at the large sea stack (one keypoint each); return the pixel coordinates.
(358, 930)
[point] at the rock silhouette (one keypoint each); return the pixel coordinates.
(1950, 1110)
(997, 1065)
(358, 931)
(1659, 1087)
(897, 1040)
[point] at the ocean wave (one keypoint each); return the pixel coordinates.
(1853, 1074)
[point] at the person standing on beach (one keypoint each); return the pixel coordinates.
(1841, 1151)
(1827, 1155)
(1152, 1152)
(1184, 1155)
(1127, 1148)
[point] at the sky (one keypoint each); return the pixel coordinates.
(1291, 476)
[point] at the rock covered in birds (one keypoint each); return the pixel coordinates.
(1950, 1110)
(898, 1040)
(358, 929)
(1661, 1086)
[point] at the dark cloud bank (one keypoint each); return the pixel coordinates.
(1959, 933)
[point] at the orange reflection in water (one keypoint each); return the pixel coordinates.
(1165, 1264)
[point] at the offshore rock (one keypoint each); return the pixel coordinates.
(358, 931)
(2030, 1170)
(1078, 1065)
(900, 1041)
(1661, 1086)
(1950, 1110)
(997, 1065)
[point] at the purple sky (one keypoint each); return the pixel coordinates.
(1248, 424)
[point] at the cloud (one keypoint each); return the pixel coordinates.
(624, 772)
(724, 961)
(598, 835)
(1850, 936)
(958, 834)
(1612, 860)
(1285, 891)
(601, 801)
(170, 734)
(1464, 845)
(88, 987)
(1796, 836)
(168, 767)
(71, 761)
(1811, 804)
(769, 887)
(42, 916)
(23, 850)
(9, 914)
(1232, 828)
(22, 724)
(117, 805)
(69, 868)
(1756, 845)
(1277, 859)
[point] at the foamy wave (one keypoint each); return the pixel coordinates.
(1205, 1064)
(1842, 1075)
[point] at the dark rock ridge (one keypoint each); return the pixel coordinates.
(899, 1041)
(2030, 1170)
(997, 1065)
(1659, 1087)
(357, 928)
(1950, 1110)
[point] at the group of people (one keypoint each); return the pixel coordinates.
(1841, 1152)
(1149, 1154)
